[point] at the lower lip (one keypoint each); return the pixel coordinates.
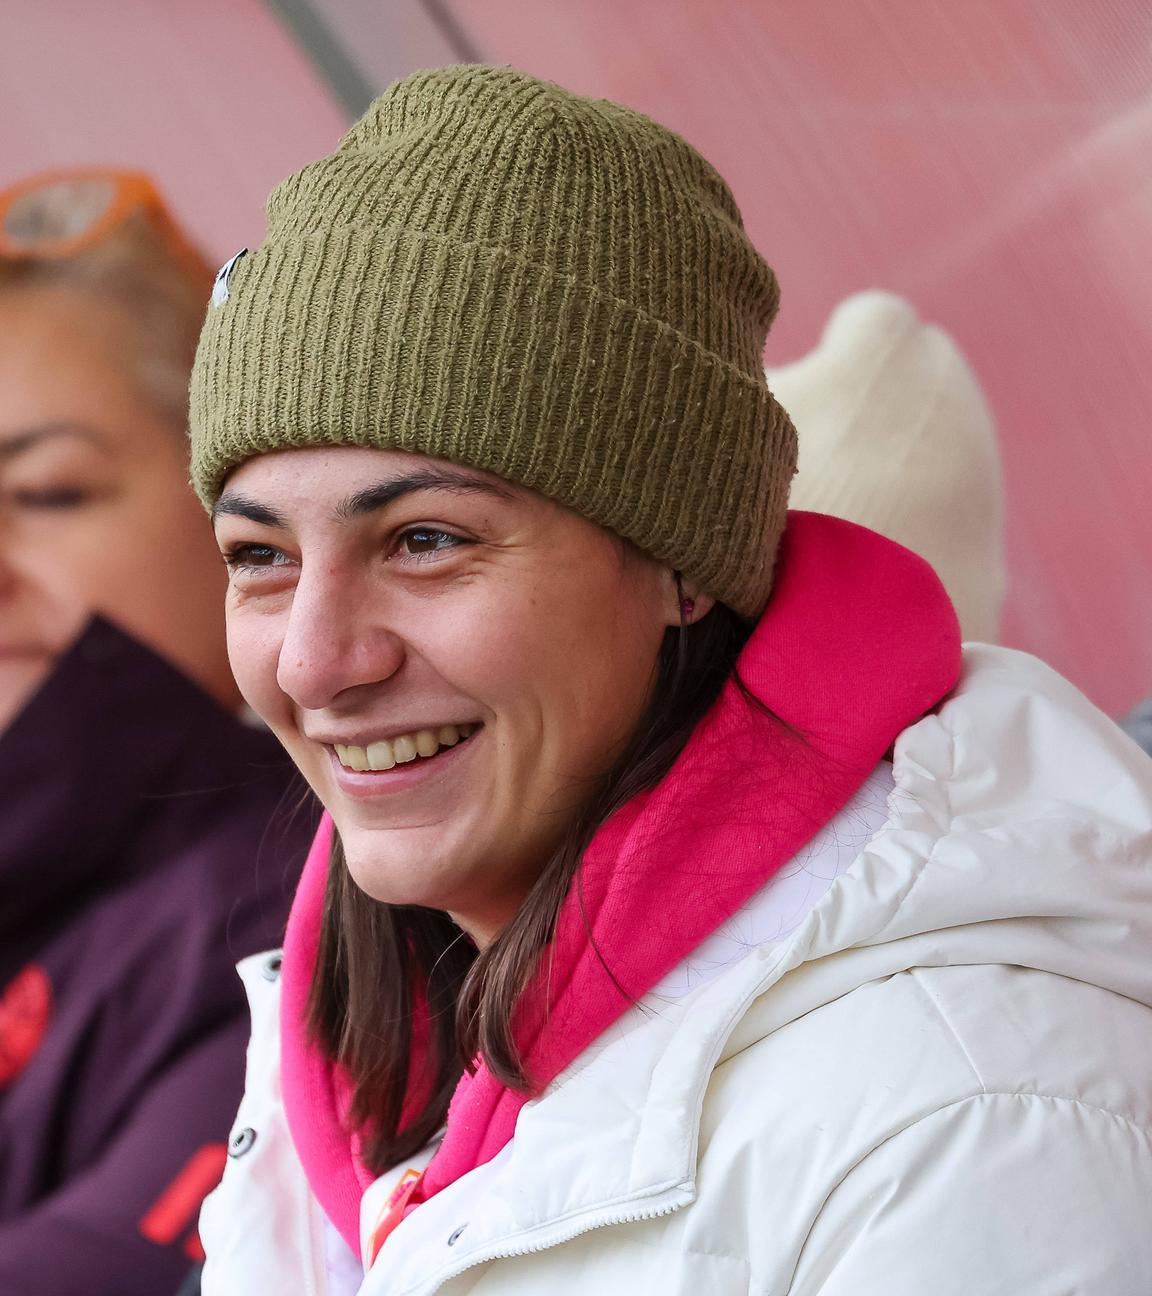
(400, 778)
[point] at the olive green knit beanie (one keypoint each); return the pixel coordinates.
(494, 271)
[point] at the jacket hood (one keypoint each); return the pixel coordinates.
(858, 642)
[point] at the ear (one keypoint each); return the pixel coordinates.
(687, 604)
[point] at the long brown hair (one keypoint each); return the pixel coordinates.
(378, 962)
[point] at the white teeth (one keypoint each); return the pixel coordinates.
(385, 754)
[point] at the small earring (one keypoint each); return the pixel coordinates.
(687, 605)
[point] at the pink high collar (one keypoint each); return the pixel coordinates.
(858, 642)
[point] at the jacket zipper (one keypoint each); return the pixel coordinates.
(557, 1239)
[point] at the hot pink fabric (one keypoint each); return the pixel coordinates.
(859, 641)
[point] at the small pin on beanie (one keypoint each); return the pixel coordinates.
(494, 271)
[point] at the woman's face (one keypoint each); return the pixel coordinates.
(95, 511)
(485, 650)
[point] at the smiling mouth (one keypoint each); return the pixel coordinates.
(387, 753)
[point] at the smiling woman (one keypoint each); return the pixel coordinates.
(613, 943)
(488, 581)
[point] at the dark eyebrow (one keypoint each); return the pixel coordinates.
(374, 498)
(26, 438)
(236, 505)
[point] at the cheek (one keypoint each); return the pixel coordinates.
(150, 544)
(254, 655)
(606, 665)
(155, 570)
(499, 645)
(610, 669)
(565, 669)
(50, 596)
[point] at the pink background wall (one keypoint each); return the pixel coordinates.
(991, 160)
(211, 97)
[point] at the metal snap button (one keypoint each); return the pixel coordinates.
(271, 968)
(454, 1238)
(241, 1142)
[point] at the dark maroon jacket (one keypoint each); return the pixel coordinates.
(137, 864)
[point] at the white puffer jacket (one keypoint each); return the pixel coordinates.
(939, 1083)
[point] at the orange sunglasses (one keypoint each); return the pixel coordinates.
(59, 213)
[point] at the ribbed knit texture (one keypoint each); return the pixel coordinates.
(494, 271)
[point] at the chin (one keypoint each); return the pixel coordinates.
(406, 866)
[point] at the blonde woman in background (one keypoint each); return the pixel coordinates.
(134, 802)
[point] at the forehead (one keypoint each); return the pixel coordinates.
(323, 478)
(61, 327)
(66, 359)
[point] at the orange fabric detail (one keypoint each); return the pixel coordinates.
(179, 1203)
(393, 1212)
(25, 1014)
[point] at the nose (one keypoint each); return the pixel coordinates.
(337, 638)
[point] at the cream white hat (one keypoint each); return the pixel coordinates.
(895, 434)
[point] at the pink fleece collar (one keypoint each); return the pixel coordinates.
(858, 642)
